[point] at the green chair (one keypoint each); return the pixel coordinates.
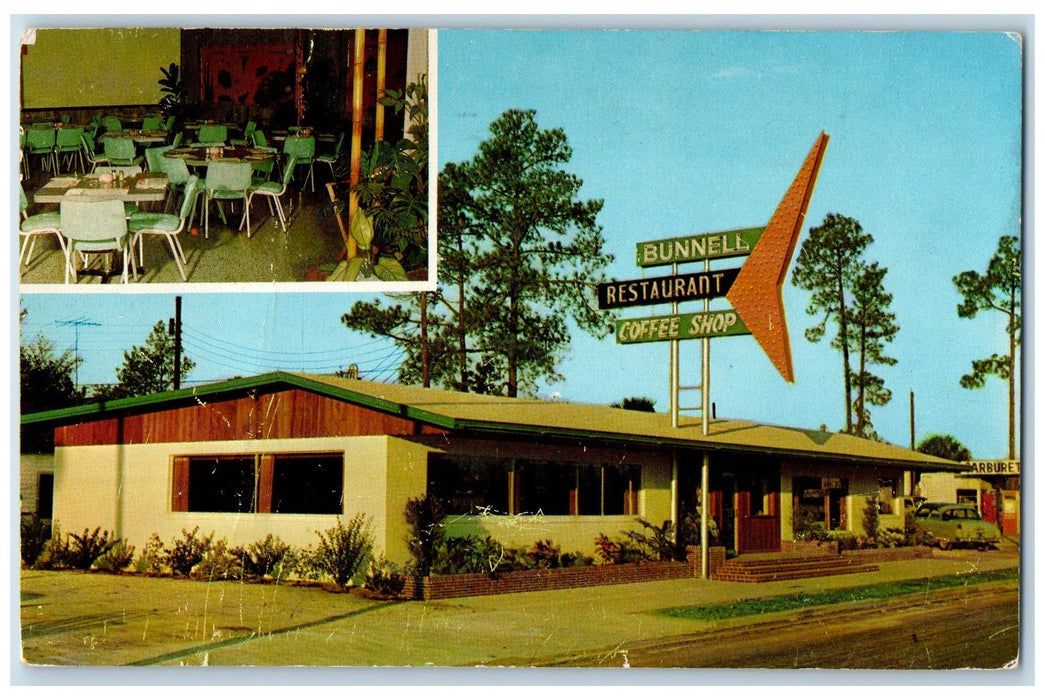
(154, 158)
(152, 123)
(128, 172)
(112, 124)
(273, 191)
(39, 141)
(177, 172)
(331, 158)
(67, 145)
(176, 141)
(247, 131)
(168, 123)
(257, 138)
(303, 148)
(33, 226)
(212, 135)
(90, 152)
(122, 151)
(94, 227)
(225, 181)
(166, 225)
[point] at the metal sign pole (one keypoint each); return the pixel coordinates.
(705, 411)
(673, 398)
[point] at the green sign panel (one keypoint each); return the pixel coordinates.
(700, 246)
(708, 324)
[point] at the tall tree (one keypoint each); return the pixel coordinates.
(874, 326)
(149, 368)
(519, 254)
(945, 446)
(541, 251)
(1000, 289)
(828, 264)
(46, 377)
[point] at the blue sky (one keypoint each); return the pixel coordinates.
(684, 132)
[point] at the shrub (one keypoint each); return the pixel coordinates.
(871, 527)
(33, 537)
(893, 537)
(268, 557)
(423, 515)
(343, 549)
(187, 552)
(118, 558)
(219, 563)
(544, 555)
(81, 551)
(384, 577)
(808, 525)
(620, 551)
(471, 555)
(844, 538)
(152, 558)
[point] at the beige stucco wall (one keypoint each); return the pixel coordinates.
(381, 475)
(87, 496)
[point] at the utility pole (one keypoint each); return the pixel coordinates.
(912, 419)
(174, 329)
(76, 323)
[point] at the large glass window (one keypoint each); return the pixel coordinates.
(221, 485)
(307, 484)
(259, 483)
(469, 485)
(546, 487)
(620, 489)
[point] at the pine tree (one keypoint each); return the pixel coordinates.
(827, 265)
(149, 368)
(1000, 289)
(874, 325)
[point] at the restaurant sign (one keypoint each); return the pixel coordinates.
(664, 290)
(709, 324)
(1007, 467)
(702, 246)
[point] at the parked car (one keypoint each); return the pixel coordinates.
(955, 524)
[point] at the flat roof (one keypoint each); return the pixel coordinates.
(532, 418)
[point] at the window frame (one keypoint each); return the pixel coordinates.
(264, 473)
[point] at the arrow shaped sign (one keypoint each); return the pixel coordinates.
(757, 292)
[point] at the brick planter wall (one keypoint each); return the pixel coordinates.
(829, 547)
(463, 585)
(888, 554)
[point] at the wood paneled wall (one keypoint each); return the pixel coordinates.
(294, 413)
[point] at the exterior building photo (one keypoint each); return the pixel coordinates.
(287, 454)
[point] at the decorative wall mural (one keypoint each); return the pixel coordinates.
(247, 75)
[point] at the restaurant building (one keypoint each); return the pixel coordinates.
(288, 453)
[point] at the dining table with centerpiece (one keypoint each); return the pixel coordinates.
(199, 156)
(139, 136)
(143, 187)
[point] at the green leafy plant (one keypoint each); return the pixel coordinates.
(870, 520)
(393, 184)
(268, 557)
(173, 99)
(619, 551)
(187, 552)
(808, 525)
(81, 551)
(384, 577)
(343, 549)
(117, 559)
(151, 560)
(424, 516)
(219, 563)
(34, 535)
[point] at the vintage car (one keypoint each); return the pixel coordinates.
(955, 524)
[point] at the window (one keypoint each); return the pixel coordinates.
(469, 485)
(221, 485)
(474, 485)
(308, 484)
(259, 483)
